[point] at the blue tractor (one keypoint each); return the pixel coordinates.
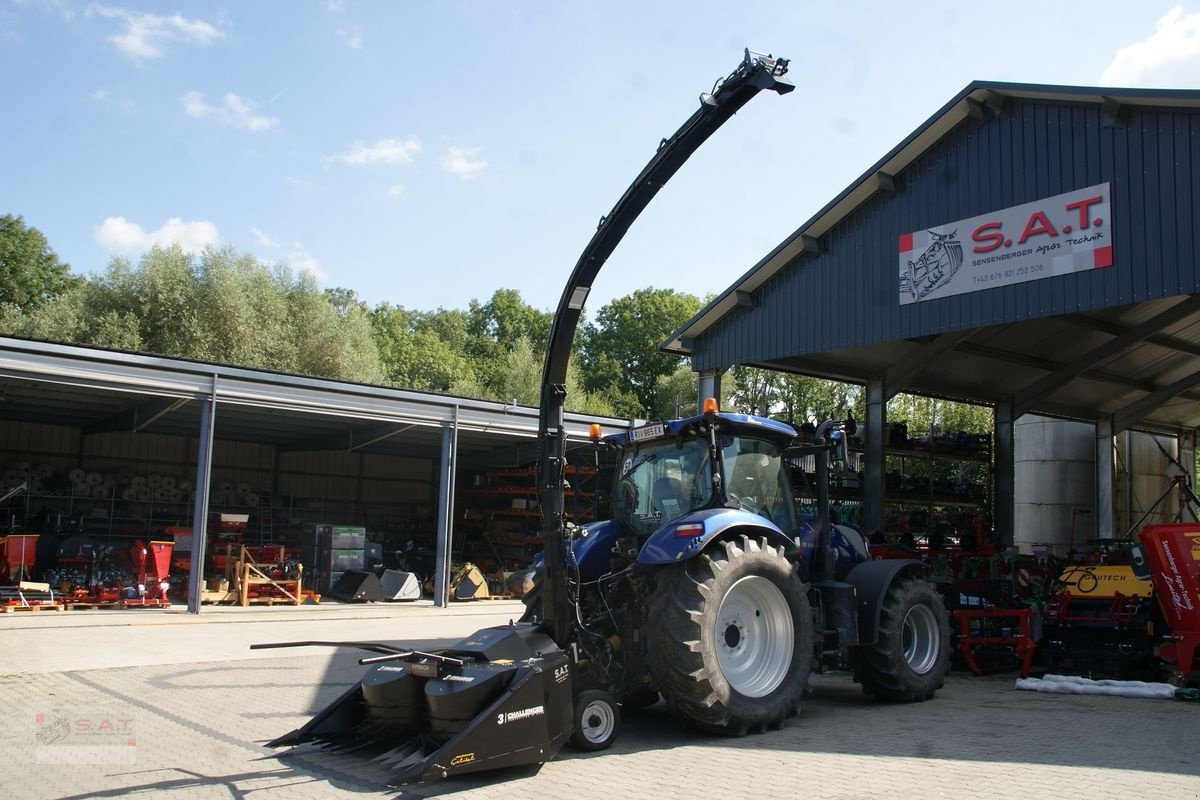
(707, 588)
(704, 587)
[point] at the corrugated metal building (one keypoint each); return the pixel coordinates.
(311, 451)
(1031, 248)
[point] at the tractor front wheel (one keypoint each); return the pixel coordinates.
(730, 637)
(911, 655)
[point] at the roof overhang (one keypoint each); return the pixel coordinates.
(1135, 365)
(103, 391)
(969, 104)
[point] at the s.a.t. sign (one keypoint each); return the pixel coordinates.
(1054, 236)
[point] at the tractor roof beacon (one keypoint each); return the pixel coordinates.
(704, 587)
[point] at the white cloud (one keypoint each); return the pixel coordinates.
(334, 6)
(353, 39)
(1170, 57)
(463, 162)
(263, 239)
(396, 189)
(119, 235)
(385, 151)
(144, 35)
(233, 110)
(299, 258)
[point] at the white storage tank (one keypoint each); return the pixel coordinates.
(1144, 473)
(1054, 492)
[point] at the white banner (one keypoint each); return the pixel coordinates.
(1066, 233)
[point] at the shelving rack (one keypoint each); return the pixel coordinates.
(937, 489)
(498, 522)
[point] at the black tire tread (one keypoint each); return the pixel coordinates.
(695, 690)
(881, 668)
(580, 742)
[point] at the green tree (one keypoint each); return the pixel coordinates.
(344, 300)
(585, 402)
(413, 352)
(219, 306)
(619, 351)
(794, 399)
(803, 398)
(449, 325)
(518, 378)
(493, 330)
(931, 415)
(505, 319)
(327, 342)
(604, 380)
(30, 272)
(755, 391)
(676, 395)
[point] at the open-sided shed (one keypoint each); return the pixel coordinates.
(362, 444)
(1032, 248)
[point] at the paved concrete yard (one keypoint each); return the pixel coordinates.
(175, 706)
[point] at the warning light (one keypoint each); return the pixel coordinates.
(594, 431)
(710, 405)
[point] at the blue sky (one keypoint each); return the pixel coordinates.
(428, 153)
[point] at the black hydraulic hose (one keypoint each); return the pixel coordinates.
(754, 74)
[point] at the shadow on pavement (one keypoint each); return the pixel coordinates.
(240, 786)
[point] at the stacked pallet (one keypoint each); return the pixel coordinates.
(28, 596)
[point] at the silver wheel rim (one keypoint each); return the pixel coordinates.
(921, 639)
(598, 721)
(754, 637)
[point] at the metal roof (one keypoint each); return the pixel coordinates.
(1126, 348)
(102, 390)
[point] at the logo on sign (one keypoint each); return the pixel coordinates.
(935, 268)
(1055, 236)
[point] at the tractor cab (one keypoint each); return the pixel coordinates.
(669, 470)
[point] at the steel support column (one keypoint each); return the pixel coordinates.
(1003, 500)
(708, 384)
(204, 448)
(873, 487)
(1105, 474)
(445, 520)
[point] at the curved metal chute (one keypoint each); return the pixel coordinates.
(756, 73)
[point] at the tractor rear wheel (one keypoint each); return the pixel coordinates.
(908, 662)
(730, 637)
